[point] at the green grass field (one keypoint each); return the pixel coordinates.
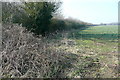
(111, 29)
(98, 32)
(95, 50)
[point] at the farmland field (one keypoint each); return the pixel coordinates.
(90, 52)
(111, 29)
(57, 39)
(99, 32)
(94, 51)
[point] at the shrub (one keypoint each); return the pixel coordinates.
(24, 55)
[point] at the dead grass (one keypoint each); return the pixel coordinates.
(27, 56)
(24, 55)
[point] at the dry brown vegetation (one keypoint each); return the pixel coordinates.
(27, 56)
(24, 55)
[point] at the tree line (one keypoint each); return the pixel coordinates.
(38, 17)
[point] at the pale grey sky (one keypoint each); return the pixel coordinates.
(93, 11)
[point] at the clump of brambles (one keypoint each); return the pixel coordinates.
(24, 55)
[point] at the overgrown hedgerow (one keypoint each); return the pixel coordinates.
(24, 55)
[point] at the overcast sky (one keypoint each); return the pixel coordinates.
(93, 11)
